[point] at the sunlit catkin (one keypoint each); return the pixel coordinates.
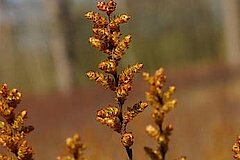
(161, 101)
(236, 149)
(75, 149)
(107, 39)
(13, 129)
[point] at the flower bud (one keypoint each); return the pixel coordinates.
(127, 139)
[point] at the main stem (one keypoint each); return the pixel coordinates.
(120, 116)
(161, 147)
(160, 126)
(120, 103)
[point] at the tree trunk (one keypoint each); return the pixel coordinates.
(7, 45)
(231, 29)
(60, 42)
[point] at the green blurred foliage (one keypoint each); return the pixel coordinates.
(165, 33)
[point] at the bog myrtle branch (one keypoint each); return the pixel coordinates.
(236, 149)
(107, 38)
(74, 148)
(13, 130)
(161, 101)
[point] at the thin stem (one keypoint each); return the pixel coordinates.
(115, 75)
(10, 119)
(162, 147)
(160, 100)
(129, 153)
(120, 105)
(109, 18)
(120, 102)
(160, 128)
(76, 156)
(120, 116)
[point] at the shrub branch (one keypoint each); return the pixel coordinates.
(107, 39)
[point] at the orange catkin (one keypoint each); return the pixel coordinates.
(107, 39)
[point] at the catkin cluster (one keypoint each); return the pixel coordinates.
(75, 149)
(108, 39)
(236, 149)
(161, 101)
(12, 128)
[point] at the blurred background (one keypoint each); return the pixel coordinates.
(44, 52)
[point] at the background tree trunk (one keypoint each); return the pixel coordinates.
(60, 41)
(7, 45)
(231, 29)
